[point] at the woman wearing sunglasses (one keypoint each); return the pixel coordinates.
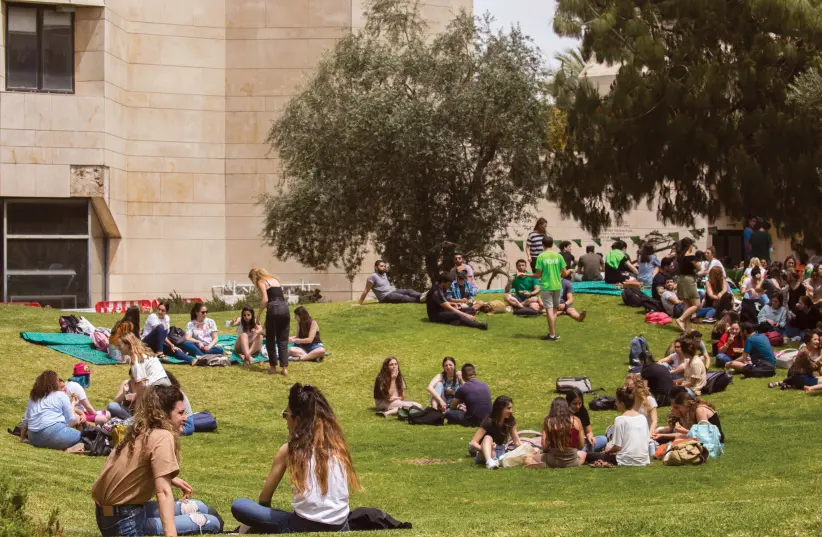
(319, 467)
(201, 333)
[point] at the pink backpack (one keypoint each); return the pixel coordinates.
(99, 338)
(658, 317)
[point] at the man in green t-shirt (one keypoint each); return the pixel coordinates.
(550, 268)
(522, 290)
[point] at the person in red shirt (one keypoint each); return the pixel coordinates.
(730, 345)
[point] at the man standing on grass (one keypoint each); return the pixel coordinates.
(550, 269)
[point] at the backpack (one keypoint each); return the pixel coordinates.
(96, 441)
(603, 402)
(176, 336)
(639, 348)
(658, 317)
(70, 324)
(213, 360)
(631, 297)
(429, 416)
(100, 339)
(776, 339)
(717, 381)
(407, 413)
(688, 452)
(526, 312)
(708, 435)
(566, 384)
(204, 422)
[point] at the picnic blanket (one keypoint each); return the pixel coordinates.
(583, 288)
(55, 338)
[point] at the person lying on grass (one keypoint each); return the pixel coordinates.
(444, 385)
(687, 411)
(321, 472)
(562, 439)
(389, 389)
(50, 420)
(629, 446)
(308, 346)
(146, 464)
(493, 435)
(249, 335)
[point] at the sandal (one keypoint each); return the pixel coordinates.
(601, 464)
(774, 385)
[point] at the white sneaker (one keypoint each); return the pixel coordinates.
(493, 464)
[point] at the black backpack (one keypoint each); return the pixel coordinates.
(716, 382)
(632, 297)
(748, 311)
(603, 402)
(69, 324)
(429, 416)
(176, 336)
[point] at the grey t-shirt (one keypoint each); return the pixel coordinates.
(380, 285)
(669, 307)
(591, 264)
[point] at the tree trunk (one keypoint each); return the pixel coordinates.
(432, 266)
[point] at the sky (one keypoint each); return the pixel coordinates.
(536, 17)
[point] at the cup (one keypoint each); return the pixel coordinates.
(228, 324)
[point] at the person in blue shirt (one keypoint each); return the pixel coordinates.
(757, 358)
(462, 291)
(50, 417)
(746, 236)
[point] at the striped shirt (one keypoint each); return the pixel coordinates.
(535, 244)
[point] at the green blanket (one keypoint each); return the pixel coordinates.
(86, 353)
(583, 288)
(55, 338)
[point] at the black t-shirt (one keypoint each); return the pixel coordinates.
(433, 301)
(498, 433)
(794, 296)
(686, 265)
(659, 379)
(583, 416)
(657, 282)
(807, 321)
(569, 258)
(761, 245)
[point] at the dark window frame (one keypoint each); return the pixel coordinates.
(40, 9)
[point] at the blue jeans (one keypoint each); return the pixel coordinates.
(721, 359)
(599, 444)
(145, 520)
(156, 340)
(193, 351)
(118, 411)
(188, 426)
(706, 313)
(268, 520)
(457, 417)
(57, 436)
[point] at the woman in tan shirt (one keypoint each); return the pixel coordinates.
(145, 464)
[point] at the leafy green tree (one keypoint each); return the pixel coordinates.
(697, 121)
(410, 144)
(565, 78)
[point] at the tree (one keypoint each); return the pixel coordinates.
(565, 78)
(697, 121)
(409, 144)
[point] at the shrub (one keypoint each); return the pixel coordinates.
(14, 522)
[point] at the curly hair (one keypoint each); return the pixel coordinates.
(558, 425)
(153, 411)
(46, 382)
(382, 383)
(640, 390)
(317, 435)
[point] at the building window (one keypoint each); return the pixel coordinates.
(47, 246)
(39, 49)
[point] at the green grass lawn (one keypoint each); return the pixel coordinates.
(766, 484)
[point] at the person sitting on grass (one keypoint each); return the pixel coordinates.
(576, 403)
(566, 302)
(807, 316)
(590, 266)
(721, 327)
(688, 262)
(494, 433)
(525, 289)
(757, 358)
(695, 374)
(701, 351)
(82, 405)
(144, 464)
(670, 301)
(658, 377)
(666, 272)
(753, 288)
(801, 375)
(472, 400)
(129, 324)
(629, 446)
(50, 421)
(648, 264)
(550, 270)
(320, 470)
(201, 333)
(718, 298)
(123, 405)
(146, 369)
(308, 346)
(644, 402)
(730, 345)
(675, 359)
(188, 424)
(249, 335)
(462, 292)
(440, 310)
(155, 333)
(687, 411)
(444, 385)
(389, 389)
(618, 268)
(562, 439)
(774, 313)
(384, 291)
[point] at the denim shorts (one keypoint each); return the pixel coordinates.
(499, 451)
(310, 347)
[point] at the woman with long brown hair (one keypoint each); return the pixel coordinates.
(644, 402)
(50, 417)
(563, 439)
(320, 469)
(494, 433)
(389, 389)
(717, 296)
(307, 345)
(687, 411)
(277, 318)
(146, 464)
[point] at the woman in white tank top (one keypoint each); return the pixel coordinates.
(319, 467)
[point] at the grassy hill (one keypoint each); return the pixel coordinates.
(766, 484)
